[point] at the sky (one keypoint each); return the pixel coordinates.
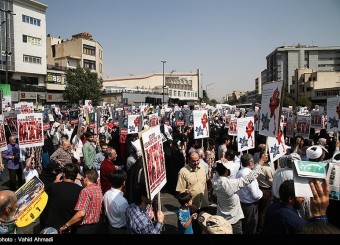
(227, 40)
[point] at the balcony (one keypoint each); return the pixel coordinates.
(57, 68)
(54, 86)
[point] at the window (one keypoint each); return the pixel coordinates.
(31, 40)
(32, 59)
(30, 20)
(100, 67)
(89, 50)
(90, 64)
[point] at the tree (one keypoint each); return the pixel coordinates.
(82, 84)
(305, 101)
(213, 102)
(288, 100)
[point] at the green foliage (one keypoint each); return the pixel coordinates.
(82, 84)
(288, 100)
(213, 102)
(305, 101)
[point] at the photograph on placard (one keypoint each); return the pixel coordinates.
(3, 143)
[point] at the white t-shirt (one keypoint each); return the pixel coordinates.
(29, 173)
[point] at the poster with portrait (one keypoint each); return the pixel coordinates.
(276, 145)
(153, 119)
(46, 120)
(333, 114)
(233, 127)
(201, 124)
(179, 118)
(303, 126)
(333, 175)
(133, 124)
(316, 119)
(228, 118)
(88, 106)
(32, 200)
(24, 107)
(10, 119)
(74, 114)
(154, 161)
(290, 125)
(3, 143)
(245, 133)
(271, 104)
(30, 129)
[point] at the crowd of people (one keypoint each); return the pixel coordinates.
(96, 182)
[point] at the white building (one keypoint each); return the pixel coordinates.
(26, 44)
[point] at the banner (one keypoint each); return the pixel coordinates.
(133, 123)
(24, 107)
(6, 96)
(333, 114)
(270, 109)
(245, 133)
(3, 143)
(201, 124)
(303, 126)
(10, 119)
(276, 145)
(32, 200)
(154, 161)
(30, 130)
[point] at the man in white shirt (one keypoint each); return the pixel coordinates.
(249, 196)
(115, 203)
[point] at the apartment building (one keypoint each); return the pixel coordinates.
(283, 61)
(24, 22)
(63, 54)
(317, 85)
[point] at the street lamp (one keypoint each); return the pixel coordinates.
(206, 88)
(7, 12)
(163, 61)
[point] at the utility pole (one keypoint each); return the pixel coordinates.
(7, 13)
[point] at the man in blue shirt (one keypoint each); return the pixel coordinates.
(283, 217)
(12, 156)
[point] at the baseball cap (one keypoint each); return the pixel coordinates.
(214, 224)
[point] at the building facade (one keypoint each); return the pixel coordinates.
(316, 85)
(81, 50)
(283, 61)
(26, 48)
(183, 87)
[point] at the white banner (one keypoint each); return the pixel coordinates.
(201, 124)
(245, 133)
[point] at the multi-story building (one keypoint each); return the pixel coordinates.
(24, 48)
(316, 85)
(182, 87)
(283, 61)
(234, 96)
(63, 54)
